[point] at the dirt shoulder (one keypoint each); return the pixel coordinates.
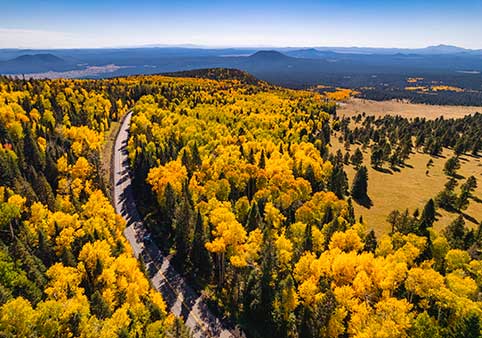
(106, 156)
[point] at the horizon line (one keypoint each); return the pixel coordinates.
(203, 46)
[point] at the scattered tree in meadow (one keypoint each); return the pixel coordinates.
(359, 188)
(427, 218)
(357, 158)
(455, 233)
(462, 200)
(447, 198)
(469, 185)
(376, 158)
(451, 166)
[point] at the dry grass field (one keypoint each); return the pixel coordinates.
(356, 106)
(411, 188)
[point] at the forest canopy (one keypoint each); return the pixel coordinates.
(66, 269)
(236, 178)
(241, 183)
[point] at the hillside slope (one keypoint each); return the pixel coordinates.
(36, 63)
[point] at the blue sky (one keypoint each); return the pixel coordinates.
(115, 23)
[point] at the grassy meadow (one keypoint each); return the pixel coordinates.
(411, 187)
(355, 106)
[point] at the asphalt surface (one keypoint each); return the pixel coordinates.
(180, 298)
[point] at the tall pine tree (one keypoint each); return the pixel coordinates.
(359, 189)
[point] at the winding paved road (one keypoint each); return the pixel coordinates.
(180, 298)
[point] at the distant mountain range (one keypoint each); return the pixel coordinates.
(293, 67)
(431, 50)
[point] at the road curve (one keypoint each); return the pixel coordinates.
(180, 298)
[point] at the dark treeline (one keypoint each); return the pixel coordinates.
(382, 93)
(386, 86)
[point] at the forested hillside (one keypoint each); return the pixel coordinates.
(239, 182)
(65, 268)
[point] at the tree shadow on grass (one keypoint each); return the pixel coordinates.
(457, 176)
(458, 212)
(450, 208)
(365, 202)
(406, 165)
(383, 170)
(476, 199)
(469, 218)
(435, 155)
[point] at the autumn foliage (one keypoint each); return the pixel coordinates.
(284, 253)
(237, 179)
(65, 268)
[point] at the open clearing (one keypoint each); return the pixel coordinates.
(356, 106)
(411, 188)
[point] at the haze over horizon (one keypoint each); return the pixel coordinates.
(306, 23)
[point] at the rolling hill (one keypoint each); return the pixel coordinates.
(36, 63)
